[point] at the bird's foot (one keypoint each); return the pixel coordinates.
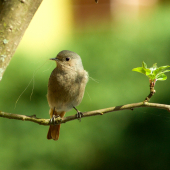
(55, 121)
(79, 114)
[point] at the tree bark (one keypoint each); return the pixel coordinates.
(15, 16)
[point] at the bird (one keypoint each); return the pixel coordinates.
(66, 87)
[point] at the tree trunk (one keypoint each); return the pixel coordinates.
(15, 16)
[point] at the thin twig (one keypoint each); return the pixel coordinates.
(152, 90)
(85, 114)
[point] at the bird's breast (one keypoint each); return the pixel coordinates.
(66, 89)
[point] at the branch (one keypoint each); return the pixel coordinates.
(15, 16)
(85, 114)
(152, 90)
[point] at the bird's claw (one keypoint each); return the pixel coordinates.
(53, 121)
(79, 115)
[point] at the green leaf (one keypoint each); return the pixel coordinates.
(154, 66)
(165, 71)
(161, 77)
(147, 71)
(144, 65)
(161, 73)
(151, 77)
(160, 69)
(140, 70)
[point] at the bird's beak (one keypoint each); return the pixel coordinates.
(54, 59)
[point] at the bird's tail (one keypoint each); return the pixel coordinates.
(54, 130)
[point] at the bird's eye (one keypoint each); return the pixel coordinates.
(67, 59)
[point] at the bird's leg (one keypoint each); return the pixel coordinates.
(79, 114)
(52, 120)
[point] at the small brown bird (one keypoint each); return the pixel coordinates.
(66, 87)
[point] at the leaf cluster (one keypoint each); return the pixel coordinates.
(154, 73)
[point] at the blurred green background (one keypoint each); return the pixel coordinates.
(110, 48)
